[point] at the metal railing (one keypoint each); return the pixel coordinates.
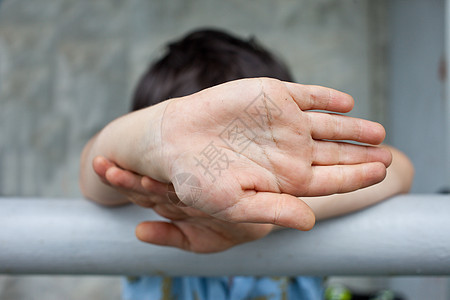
(406, 235)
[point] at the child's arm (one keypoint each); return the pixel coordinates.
(398, 181)
(98, 189)
(268, 150)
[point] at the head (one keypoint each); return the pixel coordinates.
(202, 59)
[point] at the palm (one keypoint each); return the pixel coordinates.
(257, 147)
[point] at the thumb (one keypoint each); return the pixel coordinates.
(278, 209)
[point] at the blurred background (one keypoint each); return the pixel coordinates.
(67, 68)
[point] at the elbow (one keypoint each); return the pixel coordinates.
(405, 170)
(410, 177)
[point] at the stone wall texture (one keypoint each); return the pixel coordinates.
(67, 68)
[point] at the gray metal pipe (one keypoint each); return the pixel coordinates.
(406, 235)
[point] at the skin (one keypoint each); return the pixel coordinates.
(135, 158)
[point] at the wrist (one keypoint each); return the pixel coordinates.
(134, 142)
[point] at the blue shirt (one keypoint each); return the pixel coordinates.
(222, 288)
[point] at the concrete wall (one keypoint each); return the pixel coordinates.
(67, 68)
(417, 107)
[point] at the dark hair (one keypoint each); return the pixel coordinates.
(202, 59)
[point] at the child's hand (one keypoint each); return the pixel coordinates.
(189, 229)
(248, 148)
(243, 151)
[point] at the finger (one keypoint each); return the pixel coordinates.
(129, 184)
(154, 186)
(278, 209)
(163, 234)
(100, 165)
(125, 180)
(328, 180)
(335, 153)
(317, 97)
(338, 127)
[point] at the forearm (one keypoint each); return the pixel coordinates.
(130, 141)
(398, 180)
(90, 184)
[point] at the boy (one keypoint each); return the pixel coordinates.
(247, 148)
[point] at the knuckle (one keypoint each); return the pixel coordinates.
(277, 211)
